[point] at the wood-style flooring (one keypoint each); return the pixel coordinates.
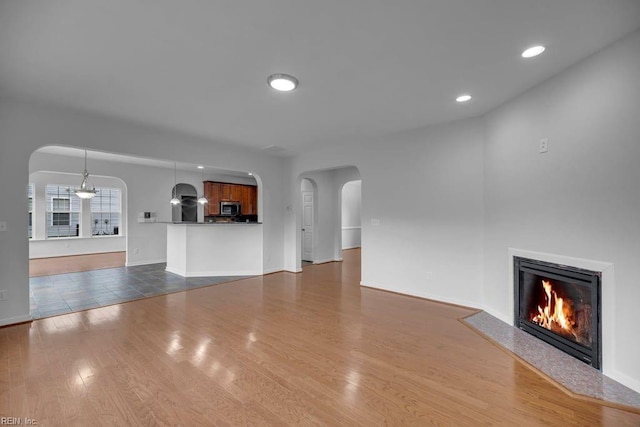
(75, 263)
(284, 349)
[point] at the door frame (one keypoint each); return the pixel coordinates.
(314, 216)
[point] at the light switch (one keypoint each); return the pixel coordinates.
(3, 225)
(544, 145)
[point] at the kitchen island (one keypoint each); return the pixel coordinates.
(214, 249)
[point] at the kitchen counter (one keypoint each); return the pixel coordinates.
(197, 249)
(208, 223)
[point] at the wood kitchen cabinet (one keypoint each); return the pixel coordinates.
(230, 192)
(217, 192)
(212, 193)
(249, 200)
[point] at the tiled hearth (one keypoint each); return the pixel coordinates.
(568, 372)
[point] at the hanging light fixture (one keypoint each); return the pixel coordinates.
(202, 199)
(175, 201)
(86, 190)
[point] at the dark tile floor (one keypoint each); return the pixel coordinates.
(66, 293)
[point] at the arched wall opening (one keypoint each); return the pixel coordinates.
(351, 214)
(327, 208)
(150, 184)
(187, 210)
(28, 127)
(147, 187)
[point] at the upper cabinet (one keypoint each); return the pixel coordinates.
(249, 200)
(216, 192)
(212, 193)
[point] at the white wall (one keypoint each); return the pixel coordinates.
(351, 213)
(435, 175)
(582, 198)
(25, 127)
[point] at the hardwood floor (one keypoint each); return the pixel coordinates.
(300, 349)
(75, 263)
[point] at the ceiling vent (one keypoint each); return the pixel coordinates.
(274, 148)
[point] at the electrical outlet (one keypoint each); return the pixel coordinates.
(544, 145)
(3, 295)
(3, 225)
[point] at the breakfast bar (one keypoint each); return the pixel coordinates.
(214, 249)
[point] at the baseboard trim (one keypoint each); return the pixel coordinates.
(448, 301)
(213, 273)
(152, 261)
(325, 261)
(15, 320)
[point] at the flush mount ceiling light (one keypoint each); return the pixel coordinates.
(533, 51)
(463, 98)
(282, 82)
(174, 200)
(86, 190)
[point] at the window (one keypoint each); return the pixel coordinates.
(106, 212)
(63, 211)
(30, 198)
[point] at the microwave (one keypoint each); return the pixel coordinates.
(230, 208)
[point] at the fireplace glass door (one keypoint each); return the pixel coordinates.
(560, 305)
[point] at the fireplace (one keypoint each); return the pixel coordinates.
(560, 305)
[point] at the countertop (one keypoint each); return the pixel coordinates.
(212, 223)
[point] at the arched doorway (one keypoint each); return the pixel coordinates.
(320, 204)
(351, 223)
(187, 210)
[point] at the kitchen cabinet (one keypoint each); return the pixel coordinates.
(230, 192)
(212, 193)
(249, 200)
(217, 192)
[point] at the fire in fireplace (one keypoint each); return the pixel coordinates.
(560, 305)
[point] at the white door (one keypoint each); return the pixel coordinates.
(307, 225)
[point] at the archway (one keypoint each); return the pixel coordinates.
(351, 215)
(187, 210)
(327, 206)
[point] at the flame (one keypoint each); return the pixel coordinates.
(557, 315)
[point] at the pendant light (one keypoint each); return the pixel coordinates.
(175, 201)
(86, 190)
(202, 199)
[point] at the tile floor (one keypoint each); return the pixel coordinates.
(66, 293)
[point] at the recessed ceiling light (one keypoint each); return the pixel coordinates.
(250, 174)
(282, 82)
(463, 98)
(533, 51)
(200, 167)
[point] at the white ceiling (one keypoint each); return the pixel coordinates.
(366, 67)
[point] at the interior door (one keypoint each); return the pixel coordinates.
(307, 225)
